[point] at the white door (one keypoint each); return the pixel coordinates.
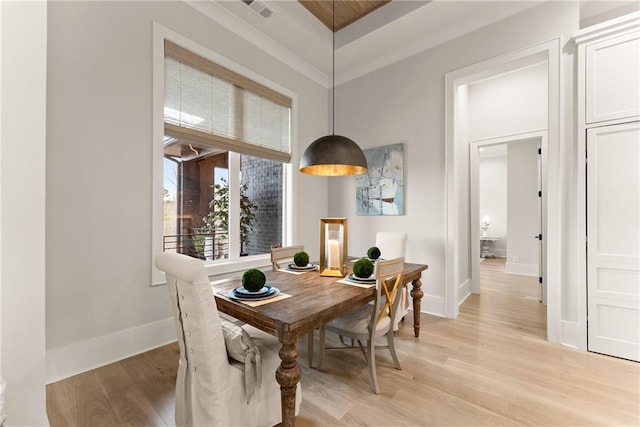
(613, 245)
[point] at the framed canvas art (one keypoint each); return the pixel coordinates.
(380, 191)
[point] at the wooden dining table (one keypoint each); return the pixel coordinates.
(314, 301)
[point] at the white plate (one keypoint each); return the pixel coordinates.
(355, 278)
(273, 292)
(305, 268)
(243, 291)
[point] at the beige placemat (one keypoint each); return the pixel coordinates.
(361, 285)
(280, 297)
(286, 270)
(297, 273)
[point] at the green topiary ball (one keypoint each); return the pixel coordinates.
(373, 252)
(301, 259)
(253, 280)
(363, 268)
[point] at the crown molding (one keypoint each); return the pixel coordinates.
(237, 26)
(613, 27)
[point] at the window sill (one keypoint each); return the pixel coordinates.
(232, 268)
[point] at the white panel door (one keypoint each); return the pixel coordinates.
(613, 249)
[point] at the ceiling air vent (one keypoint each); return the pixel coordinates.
(259, 7)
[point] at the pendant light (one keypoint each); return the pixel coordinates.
(333, 155)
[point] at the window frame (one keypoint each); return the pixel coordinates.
(230, 267)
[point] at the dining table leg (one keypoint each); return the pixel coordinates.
(288, 376)
(416, 294)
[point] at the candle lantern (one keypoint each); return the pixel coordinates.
(333, 247)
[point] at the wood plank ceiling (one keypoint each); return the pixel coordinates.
(346, 11)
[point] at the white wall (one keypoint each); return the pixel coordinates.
(100, 306)
(23, 27)
(523, 208)
(405, 102)
(492, 177)
(509, 104)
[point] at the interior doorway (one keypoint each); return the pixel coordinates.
(459, 240)
(506, 207)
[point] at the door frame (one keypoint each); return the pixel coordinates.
(474, 199)
(456, 154)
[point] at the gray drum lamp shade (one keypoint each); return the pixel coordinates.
(333, 155)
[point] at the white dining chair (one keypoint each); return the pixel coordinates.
(369, 322)
(226, 372)
(283, 255)
(393, 244)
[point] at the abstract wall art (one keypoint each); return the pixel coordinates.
(380, 191)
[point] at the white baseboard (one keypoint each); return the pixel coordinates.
(519, 268)
(432, 304)
(66, 361)
(464, 290)
(570, 334)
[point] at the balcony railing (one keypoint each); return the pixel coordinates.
(201, 243)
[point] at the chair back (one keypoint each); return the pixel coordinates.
(388, 275)
(199, 334)
(391, 244)
(280, 256)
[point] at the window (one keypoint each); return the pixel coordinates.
(226, 150)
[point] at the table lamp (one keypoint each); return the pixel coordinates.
(485, 225)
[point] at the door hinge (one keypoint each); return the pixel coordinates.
(539, 237)
(539, 150)
(540, 193)
(540, 279)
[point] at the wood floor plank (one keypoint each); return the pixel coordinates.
(491, 366)
(155, 380)
(127, 400)
(83, 402)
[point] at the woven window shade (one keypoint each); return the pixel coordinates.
(209, 105)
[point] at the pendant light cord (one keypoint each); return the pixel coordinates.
(333, 62)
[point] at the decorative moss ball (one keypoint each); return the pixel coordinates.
(363, 268)
(373, 252)
(253, 280)
(301, 259)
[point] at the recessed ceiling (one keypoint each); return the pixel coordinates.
(338, 14)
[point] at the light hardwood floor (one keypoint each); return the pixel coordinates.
(491, 366)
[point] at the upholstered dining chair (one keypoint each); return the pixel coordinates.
(226, 372)
(371, 321)
(284, 254)
(394, 245)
